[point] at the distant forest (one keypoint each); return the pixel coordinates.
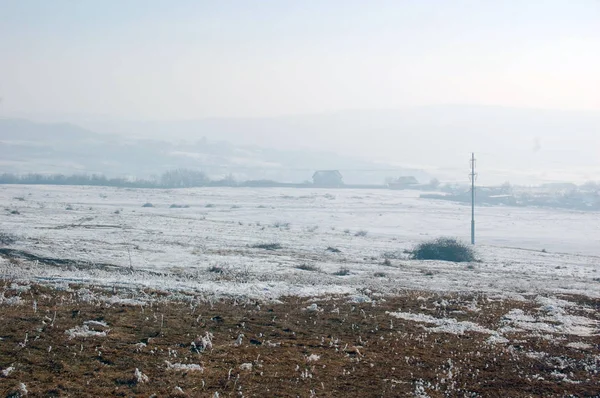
(179, 178)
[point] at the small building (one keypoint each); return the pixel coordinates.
(328, 178)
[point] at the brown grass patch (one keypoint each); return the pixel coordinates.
(342, 348)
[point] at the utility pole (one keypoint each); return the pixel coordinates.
(473, 176)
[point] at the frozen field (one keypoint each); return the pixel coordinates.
(207, 247)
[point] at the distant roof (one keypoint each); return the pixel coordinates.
(406, 180)
(322, 172)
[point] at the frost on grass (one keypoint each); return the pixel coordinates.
(20, 288)
(192, 367)
(123, 301)
(497, 339)
(359, 299)
(140, 378)
(96, 324)
(313, 358)
(443, 325)
(6, 372)
(203, 343)
(84, 331)
(15, 300)
(139, 347)
(580, 346)
(246, 366)
(554, 320)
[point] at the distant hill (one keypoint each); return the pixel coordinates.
(521, 145)
(26, 146)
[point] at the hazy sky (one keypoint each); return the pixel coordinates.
(188, 59)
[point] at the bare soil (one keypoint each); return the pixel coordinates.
(288, 348)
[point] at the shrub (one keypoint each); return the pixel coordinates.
(362, 232)
(267, 246)
(445, 249)
(176, 206)
(387, 262)
(343, 271)
(217, 269)
(281, 224)
(333, 249)
(379, 274)
(210, 205)
(308, 267)
(147, 205)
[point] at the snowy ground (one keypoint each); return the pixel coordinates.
(107, 231)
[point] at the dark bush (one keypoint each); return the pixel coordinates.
(445, 249)
(343, 271)
(267, 246)
(308, 267)
(176, 206)
(333, 249)
(147, 205)
(217, 269)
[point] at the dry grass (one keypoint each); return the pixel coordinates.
(342, 348)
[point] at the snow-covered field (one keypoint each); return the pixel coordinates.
(207, 247)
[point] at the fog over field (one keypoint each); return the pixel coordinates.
(382, 87)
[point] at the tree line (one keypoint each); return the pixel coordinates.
(178, 178)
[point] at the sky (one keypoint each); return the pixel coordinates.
(191, 59)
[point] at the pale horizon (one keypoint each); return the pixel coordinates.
(407, 82)
(151, 60)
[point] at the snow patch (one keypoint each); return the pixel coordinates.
(140, 378)
(246, 366)
(554, 320)
(6, 372)
(192, 367)
(580, 346)
(444, 325)
(96, 324)
(15, 300)
(313, 358)
(84, 331)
